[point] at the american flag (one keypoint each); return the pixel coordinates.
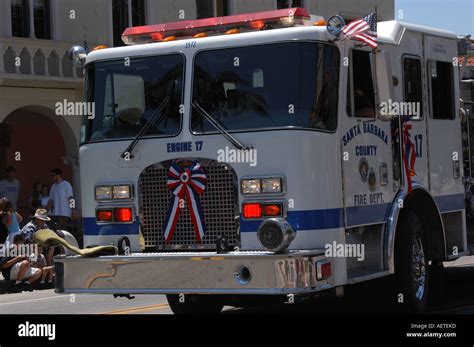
(364, 30)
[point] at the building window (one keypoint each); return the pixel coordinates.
(121, 19)
(289, 3)
(360, 89)
(222, 8)
(138, 12)
(442, 89)
(41, 13)
(20, 18)
(412, 81)
(204, 9)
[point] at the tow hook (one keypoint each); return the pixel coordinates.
(222, 244)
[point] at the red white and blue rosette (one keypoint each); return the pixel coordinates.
(185, 184)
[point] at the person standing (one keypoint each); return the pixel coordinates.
(12, 220)
(10, 187)
(34, 201)
(44, 196)
(60, 201)
(3, 227)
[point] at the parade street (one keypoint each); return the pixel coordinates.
(459, 300)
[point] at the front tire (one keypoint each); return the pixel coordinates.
(411, 264)
(195, 304)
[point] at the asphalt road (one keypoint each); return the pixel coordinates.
(459, 299)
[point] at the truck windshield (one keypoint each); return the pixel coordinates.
(128, 91)
(282, 85)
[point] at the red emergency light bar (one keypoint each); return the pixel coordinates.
(216, 26)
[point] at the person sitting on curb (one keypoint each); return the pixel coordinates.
(37, 222)
(19, 268)
(40, 263)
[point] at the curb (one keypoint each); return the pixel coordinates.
(9, 287)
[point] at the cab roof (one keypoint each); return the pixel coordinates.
(242, 30)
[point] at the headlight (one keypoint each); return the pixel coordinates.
(251, 186)
(103, 193)
(271, 185)
(122, 192)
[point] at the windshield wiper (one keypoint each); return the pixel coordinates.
(215, 123)
(152, 120)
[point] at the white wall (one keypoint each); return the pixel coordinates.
(164, 11)
(246, 6)
(352, 8)
(92, 18)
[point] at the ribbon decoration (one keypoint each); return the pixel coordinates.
(186, 185)
(409, 152)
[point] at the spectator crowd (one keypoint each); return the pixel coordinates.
(48, 208)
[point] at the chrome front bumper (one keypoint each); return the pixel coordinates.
(197, 272)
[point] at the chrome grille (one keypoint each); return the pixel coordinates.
(219, 203)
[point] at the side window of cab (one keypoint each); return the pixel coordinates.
(360, 86)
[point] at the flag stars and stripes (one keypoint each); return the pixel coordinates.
(364, 30)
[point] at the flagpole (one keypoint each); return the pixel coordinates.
(374, 74)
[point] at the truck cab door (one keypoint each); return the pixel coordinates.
(366, 146)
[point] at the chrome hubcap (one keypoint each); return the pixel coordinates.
(419, 268)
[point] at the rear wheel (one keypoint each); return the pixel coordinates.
(411, 264)
(195, 304)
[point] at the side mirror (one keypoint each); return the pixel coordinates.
(78, 55)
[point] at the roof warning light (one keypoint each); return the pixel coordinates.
(216, 26)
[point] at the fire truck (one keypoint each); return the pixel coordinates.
(261, 156)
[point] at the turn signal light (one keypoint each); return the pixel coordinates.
(104, 215)
(272, 210)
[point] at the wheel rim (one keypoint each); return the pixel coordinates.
(419, 268)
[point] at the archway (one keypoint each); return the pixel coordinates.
(34, 142)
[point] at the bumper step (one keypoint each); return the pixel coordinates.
(242, 272)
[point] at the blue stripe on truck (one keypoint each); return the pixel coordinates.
(368, 214)
(300, 220)
(303, 220)
(92, 228)
(447, 203)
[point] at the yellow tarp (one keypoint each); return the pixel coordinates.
(48, 238)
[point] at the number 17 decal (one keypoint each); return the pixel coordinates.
(419, 145)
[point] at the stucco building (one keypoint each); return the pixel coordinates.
(36, 73)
